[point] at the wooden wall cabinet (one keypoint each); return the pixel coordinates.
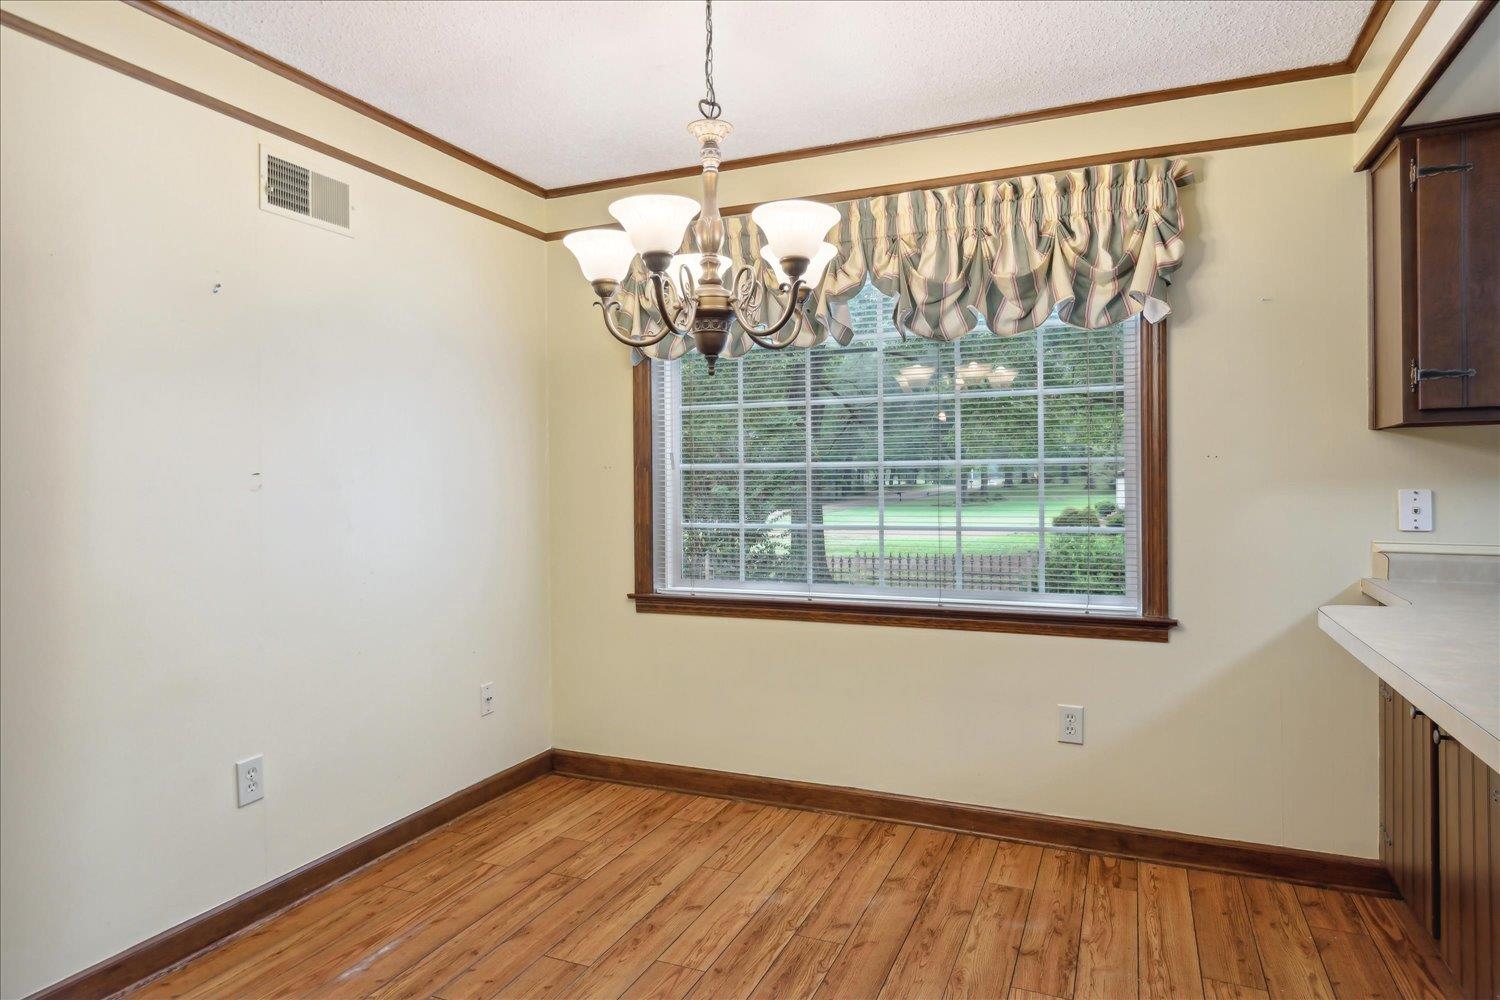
(1435, 276)
(1440, 840)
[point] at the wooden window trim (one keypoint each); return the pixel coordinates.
(1153, 624)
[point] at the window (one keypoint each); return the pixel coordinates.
(989, 482)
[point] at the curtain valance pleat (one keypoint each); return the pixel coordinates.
(1094, 245)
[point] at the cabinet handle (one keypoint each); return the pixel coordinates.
(1438, 736)
(1413, 712)
(1427, 374)
(1415, 173)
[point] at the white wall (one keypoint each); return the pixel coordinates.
(1250, 724)
(303, 516)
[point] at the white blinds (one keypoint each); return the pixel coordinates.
(994, 471)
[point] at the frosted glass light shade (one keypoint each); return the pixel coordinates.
(603, 254)
(815, 266)
(655, 222)
(795, 228)
(694, 263)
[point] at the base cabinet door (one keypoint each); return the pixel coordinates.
(1468, 868)
(1408, 771)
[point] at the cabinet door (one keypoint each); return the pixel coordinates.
(1469, 869)
(1457, 222)
(1408, 763)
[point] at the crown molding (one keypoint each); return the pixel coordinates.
(1347, 65)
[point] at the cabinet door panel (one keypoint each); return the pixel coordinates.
(1440, 271)
(1482, 271)
(1469, 869)
(1407, 769)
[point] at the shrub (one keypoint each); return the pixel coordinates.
(1115, 520)
(1106, 507)
(1077, 517)
(1086, 564)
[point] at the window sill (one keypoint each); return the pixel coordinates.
(1130, 628)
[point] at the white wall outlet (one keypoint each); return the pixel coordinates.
(1414, 510)
(250, 778)
(487, 698)
(1070, 723)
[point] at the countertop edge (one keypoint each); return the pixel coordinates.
(1455, 723)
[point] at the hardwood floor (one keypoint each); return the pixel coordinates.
(574, 888)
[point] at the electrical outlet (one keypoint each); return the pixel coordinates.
(1414, 510)
(487, 698)
(1070, 723)
(250, 779)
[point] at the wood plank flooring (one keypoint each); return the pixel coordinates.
(576, 888)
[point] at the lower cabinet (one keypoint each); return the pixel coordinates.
(1408, 804)
(1440, 840)
(1468, 860)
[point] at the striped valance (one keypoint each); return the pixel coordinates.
(1093, 244)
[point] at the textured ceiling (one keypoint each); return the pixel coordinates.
(569, 92)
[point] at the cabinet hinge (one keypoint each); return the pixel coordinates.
(1385, 835)
(1419, 375)
(1415, 173)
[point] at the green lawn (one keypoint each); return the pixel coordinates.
(1012, 507)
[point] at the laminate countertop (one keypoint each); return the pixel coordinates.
(1437, 643)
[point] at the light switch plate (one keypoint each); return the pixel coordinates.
(1414, 510)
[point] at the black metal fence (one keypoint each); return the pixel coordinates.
(982, 571)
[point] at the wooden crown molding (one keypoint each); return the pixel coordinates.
(1019, 170)
(1434, 73)
(1348, 64)
(1423, 16)
(1331, 871)
(213, 36)
(171, 946)
(198, 97)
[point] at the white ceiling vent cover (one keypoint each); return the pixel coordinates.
(289, 189)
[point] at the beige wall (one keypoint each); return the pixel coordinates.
(1250, 724)
(303, 517)
(436, 448)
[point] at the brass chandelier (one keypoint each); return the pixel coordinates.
(701, 301)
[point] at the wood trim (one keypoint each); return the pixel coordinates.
(213, 36)
(1331, 871)
(101, 58)
(1434, 72)
(138, 73)
(1152, 625)
(1078, 626)
(1153, 427)
(177, 943)
(1390, 68)
(1018, 170)
(644, 482)
(981, 125)
(270, 63)
(1367, 34)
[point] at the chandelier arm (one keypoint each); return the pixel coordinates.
(691, 307)
(765, 336)
(621, 335)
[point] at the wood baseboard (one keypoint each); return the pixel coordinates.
(1332, 871)
(172, 946)
(191, 936)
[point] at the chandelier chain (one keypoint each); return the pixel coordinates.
(709, 106)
